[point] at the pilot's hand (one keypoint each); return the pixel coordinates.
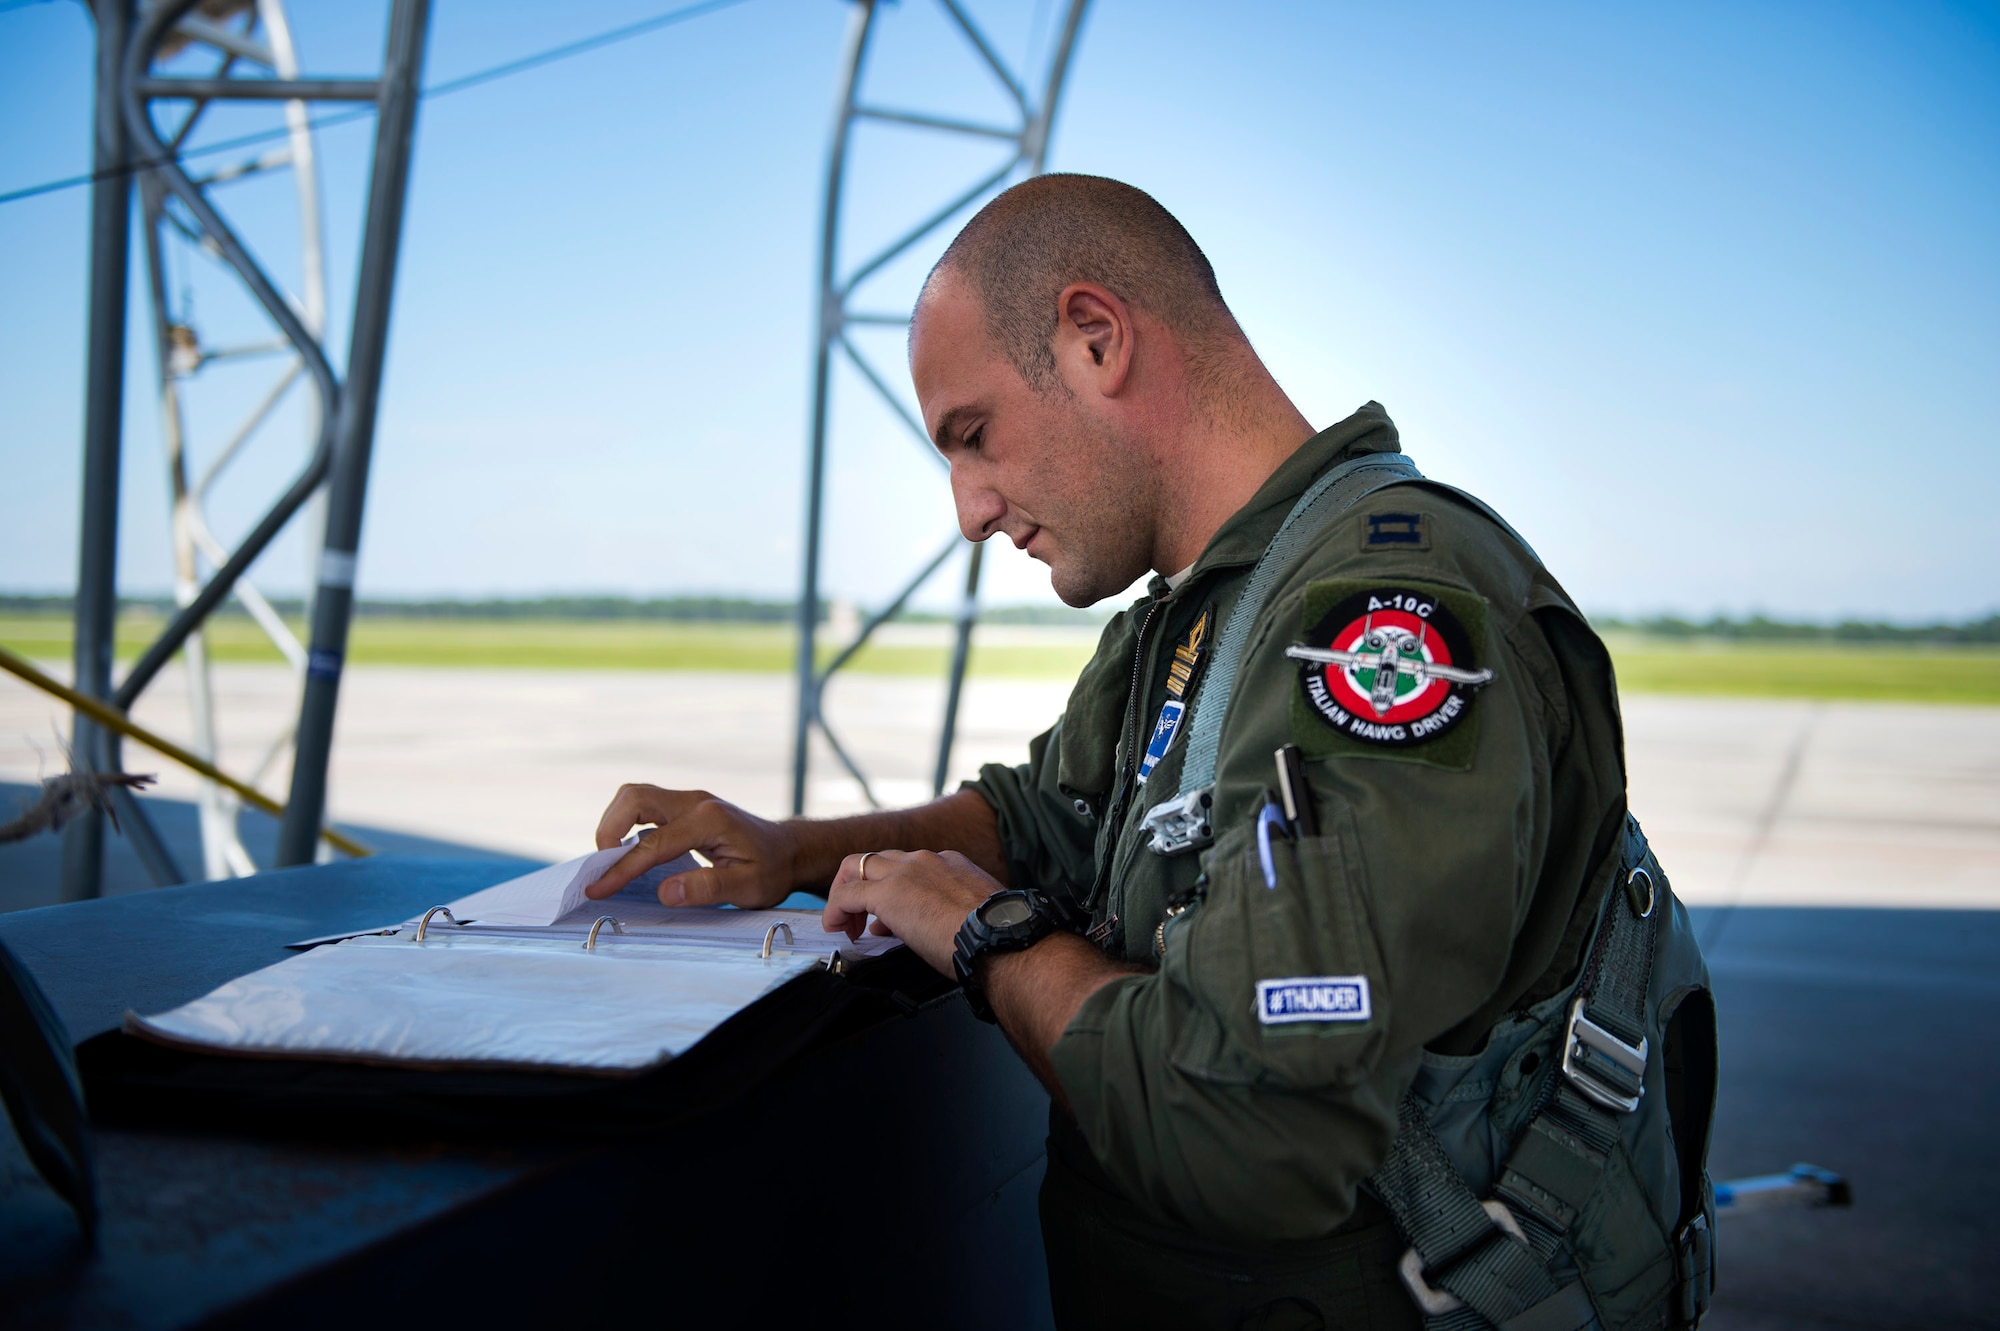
(915, 895)
(754, 858)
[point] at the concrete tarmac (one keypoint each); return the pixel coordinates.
(1750, 801)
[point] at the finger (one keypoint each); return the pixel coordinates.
(622, 813)
(840, 915)
(734, 884)
(624, 869)
(638, 803)
(697, 829)
(836, 921)
(880, 864)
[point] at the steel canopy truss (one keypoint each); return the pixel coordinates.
(1030, 139)
(180, 358)
(343, 410)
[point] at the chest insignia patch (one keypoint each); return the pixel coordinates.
(1389, 666)
(1181, 672)
(1313, 998)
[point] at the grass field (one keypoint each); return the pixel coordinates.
(1645, 665)
(577, 645)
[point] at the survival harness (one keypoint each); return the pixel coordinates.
(1557, 1179)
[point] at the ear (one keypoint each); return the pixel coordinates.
(1093, 344)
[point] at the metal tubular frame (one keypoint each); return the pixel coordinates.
(346, 412)
(180, 356)
(1030, 139)
(92, 748)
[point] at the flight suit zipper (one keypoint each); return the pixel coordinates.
(1106, 930)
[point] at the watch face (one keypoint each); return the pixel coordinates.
(1006, 912)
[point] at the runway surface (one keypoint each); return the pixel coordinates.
(1843, 860)
(1750, 801)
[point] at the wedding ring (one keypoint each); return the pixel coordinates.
(861, 869)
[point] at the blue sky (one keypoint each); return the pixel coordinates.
(1704, 297)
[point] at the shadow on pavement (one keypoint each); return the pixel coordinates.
(1866, 1042)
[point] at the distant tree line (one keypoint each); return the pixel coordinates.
(1761, 628)
(744, 610)
(674, 609)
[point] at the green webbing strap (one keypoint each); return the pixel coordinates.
(1332, 494)
(1558, 1161)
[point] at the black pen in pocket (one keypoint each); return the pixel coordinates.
(1300, 817)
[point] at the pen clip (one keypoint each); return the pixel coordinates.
(1300, 820)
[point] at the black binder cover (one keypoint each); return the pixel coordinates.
(131, 1081)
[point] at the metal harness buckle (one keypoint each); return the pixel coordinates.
(1435, 1302)
(1585, 1043)
(1181, 823)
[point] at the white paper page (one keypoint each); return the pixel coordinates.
(493, 1001)
(547, 895)
(551, 901)
(641, 913)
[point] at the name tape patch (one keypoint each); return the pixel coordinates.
(1313, 998)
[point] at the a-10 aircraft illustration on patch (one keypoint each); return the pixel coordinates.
(1390, 652)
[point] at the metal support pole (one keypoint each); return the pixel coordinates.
(831, 301)
(1030, 139)
(103, 412)
(961, 651)
(354, 435)
(1035, 146)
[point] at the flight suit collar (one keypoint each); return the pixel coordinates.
(1243, 539)
(1098, 705)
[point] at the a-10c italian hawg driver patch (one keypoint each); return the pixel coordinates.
(1389, 666)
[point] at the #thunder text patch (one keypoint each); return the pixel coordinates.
(1313, 998)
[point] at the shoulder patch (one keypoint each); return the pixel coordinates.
(1396, 531)
(1389, 670)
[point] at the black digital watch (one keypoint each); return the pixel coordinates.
(1005, 922)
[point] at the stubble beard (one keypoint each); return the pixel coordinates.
(1104, 540)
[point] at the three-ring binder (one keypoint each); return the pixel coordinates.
(835, 963)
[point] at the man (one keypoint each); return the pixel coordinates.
(1226, 997)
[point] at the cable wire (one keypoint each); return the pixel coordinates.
(445, 89)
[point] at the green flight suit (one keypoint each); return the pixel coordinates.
(1209, 1174)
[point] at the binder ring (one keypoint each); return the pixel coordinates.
(836, 964)
(772, 933)
(590, 943)
(425, 922)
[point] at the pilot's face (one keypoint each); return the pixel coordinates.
(1040, 466)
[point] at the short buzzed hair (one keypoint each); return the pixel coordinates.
(1024, 247)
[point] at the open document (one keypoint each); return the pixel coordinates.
(527, 973)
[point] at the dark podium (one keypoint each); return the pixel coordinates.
(886, 1176)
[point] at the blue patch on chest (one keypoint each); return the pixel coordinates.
(1163, 736)
(1313, 998)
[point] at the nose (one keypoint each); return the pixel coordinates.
(980, 508)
